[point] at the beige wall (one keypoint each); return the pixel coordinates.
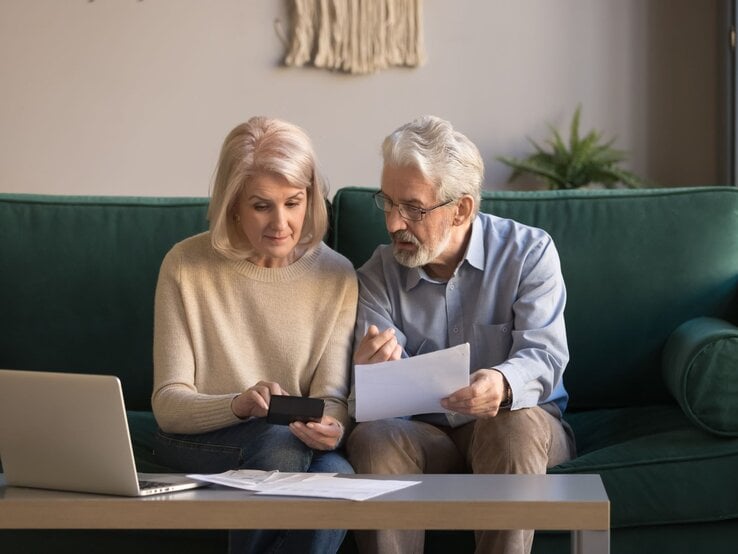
(134, 97)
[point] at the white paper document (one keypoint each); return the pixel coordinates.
(322, 485)
(410, 386)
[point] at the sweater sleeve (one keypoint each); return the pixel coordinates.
(332, 376)
(177, 405)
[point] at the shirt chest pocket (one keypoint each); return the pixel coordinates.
(492, 344)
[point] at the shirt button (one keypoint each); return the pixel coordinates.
(452, 287)
(456, 329)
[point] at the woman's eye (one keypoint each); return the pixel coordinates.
(260, 207)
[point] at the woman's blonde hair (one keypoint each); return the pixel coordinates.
(259, 146)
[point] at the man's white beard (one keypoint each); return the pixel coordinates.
(423, 255)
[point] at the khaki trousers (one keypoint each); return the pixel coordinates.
(521, 441)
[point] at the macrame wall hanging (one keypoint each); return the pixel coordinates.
(356, 36)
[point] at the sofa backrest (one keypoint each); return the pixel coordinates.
(637, 263)
(78, 274)
(77, 281)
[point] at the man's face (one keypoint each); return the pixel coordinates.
(415, 243)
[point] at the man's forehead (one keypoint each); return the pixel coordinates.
(407, 184)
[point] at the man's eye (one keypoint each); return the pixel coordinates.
(412, 210)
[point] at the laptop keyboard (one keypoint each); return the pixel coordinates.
(144, 484)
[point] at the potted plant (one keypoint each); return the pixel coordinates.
(584, 162)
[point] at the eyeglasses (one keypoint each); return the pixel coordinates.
(407, 211)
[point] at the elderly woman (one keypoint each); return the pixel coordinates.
(258, 306)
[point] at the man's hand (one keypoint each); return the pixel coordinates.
(378, 347)
(254, 401)
(324, 435)
(483, 396)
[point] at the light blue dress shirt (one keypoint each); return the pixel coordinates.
(506, 299)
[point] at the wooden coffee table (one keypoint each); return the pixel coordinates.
(577, 503)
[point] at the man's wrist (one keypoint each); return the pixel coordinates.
(507, 397)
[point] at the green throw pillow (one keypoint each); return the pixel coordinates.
(700, 368)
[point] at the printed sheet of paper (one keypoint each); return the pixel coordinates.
(326, 486)
(251, 479)
(410, 386)
(322, 485)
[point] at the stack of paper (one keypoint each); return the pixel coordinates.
(323, 485)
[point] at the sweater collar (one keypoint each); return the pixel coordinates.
(279, 274)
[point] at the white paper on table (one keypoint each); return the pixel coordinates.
(253, 479)
(410, 386)
(321, 485)
(330, 486)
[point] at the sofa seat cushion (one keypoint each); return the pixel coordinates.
(657, 467)
(700, 368)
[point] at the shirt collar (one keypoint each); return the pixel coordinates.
(475, 250)
(474, 255)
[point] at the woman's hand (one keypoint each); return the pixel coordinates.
(323, 435)
(254, 401)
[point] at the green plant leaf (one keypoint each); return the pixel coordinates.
(584, 160)
(574, 129)
(541, 171)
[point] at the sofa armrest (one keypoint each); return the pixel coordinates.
(700, 369)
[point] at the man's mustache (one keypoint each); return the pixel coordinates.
(405, 236)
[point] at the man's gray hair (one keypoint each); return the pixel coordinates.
(444, 156)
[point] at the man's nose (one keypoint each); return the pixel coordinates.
(394, 221)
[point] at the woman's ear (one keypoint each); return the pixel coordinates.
(464, 210)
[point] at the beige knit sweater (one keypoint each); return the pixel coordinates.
(220, 326)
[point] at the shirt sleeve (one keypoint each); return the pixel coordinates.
(375, 305)
(539, 352)
(374, 308)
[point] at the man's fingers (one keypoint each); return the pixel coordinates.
(384, 345)
(481, 398)
(377, 347)
(461, 395)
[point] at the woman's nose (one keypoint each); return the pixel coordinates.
(279, 218)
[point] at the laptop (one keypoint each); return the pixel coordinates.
(69, 431)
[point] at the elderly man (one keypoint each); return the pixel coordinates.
(454, 275)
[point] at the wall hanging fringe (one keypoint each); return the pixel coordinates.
(356, 36)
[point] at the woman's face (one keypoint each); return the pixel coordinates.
(272, 214)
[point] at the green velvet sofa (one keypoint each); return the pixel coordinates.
(652, 279)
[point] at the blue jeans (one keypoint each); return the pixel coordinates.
(256, 444)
